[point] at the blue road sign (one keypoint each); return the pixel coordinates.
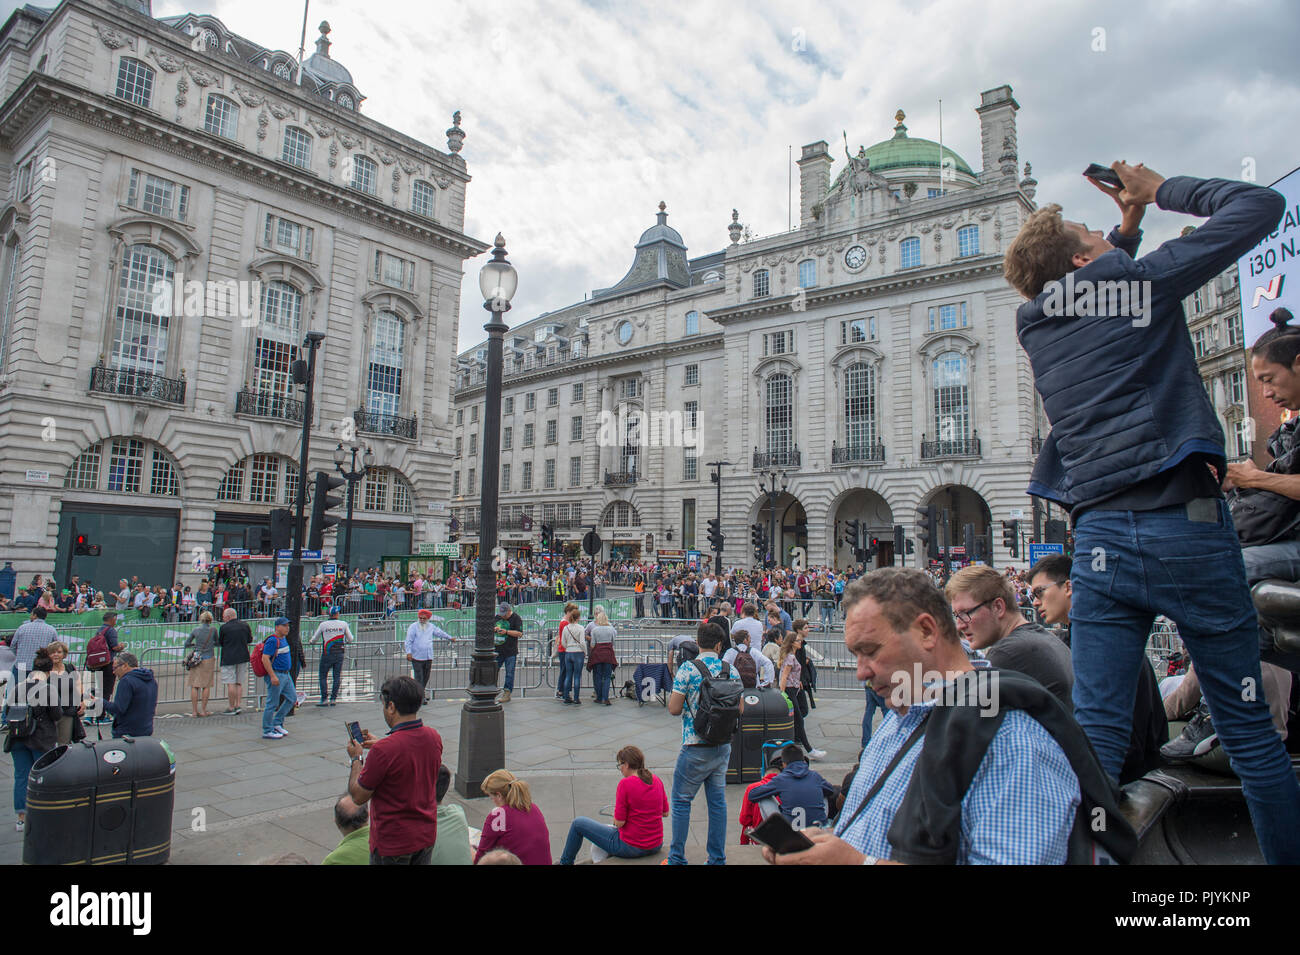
(1039, 551)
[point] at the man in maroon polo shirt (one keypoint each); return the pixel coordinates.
(399, 778)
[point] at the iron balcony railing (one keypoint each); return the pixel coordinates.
(858, 454)
(620, 478)
(954, 448)
(268, 404)
(777, 459)
(137, 384)
(390, 424)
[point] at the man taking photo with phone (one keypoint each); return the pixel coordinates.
(1132, 434)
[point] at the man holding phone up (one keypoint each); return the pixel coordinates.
(1136, 453)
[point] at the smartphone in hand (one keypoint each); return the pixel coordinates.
(354, 731)
(777, 834)
(1104, 174)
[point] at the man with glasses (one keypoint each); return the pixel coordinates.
(984, 603)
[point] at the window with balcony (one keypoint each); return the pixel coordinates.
(527, 482)
(297, 147)
(384, 380)
(222, 116)
(365, 174)
(278, 338)
(692, 322)
(947, 317)
(134, 82)
(808, 273)
(158, 196)
(859, 408)
(968, 240)
(952, 413)
(141, 327)
(761, 286)
(692, 375)
(422, 199)
(288, 237)
(779, 415)
(909, 253)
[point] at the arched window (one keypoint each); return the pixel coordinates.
(384, 380)
(909, 253)
(779, 415)
(692, 322)
(261, 479)
(13, 252)
(951, 381)
(297, 147)
(278, 338)
(135, 82)
(968, 240)
(135, 466)
(143, 305)
(422, 199)
(808, 273)
(364, 174)
(859, 407)
(621, 514)
(761, 286)
(222, 116)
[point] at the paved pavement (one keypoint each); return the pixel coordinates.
(240, 798)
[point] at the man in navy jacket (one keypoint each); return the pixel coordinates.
(801, 793)
(1136, 455)
(133, 705)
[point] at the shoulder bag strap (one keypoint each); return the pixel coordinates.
(893, 764)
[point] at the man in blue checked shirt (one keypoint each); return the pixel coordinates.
(1020, 806)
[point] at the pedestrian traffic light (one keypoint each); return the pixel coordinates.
(715, 533)
(1011, 537)
(900, 542)
(322, 502)
(927, 530)
(758, 537)
(547, 537)
(969, 534)
(853, 533)
(281, 529)
(82, 547)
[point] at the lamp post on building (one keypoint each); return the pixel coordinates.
(352, 477)
(772, 495)
(482, 721)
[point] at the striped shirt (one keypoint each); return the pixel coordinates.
(1019, 809)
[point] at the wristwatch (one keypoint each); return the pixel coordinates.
(870, 860)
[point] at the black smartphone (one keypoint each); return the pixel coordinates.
(354, 731)
(777, 834)
(1104, 174)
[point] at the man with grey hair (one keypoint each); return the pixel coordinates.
(1003, 774)
(353, 823)
(133, 704)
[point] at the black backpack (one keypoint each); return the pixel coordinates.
(687, 651)
(717, 708)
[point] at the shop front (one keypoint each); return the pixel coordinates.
(625, 549)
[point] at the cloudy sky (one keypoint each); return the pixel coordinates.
(581, 117)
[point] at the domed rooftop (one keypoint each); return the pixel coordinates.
(903, 151)
(319, 63)
(661, 231)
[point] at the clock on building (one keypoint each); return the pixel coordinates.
(855, 257)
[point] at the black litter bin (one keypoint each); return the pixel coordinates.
(105, 802)
(766, 716)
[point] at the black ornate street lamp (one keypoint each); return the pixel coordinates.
(482, 721)
(352, 477)
(772, 496)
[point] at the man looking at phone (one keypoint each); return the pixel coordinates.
(1132, 434)
(399, 778)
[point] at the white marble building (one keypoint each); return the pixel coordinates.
(138, 150)
(868, 357)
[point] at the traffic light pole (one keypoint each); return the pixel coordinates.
(717, 479)
(293, 599)
(72, 548)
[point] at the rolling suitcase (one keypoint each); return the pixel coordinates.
(766, 717)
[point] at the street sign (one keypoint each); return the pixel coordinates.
(1017, 513)
(306, 555)
(234, 552)
(1039, 551)
(591, 543)
(446, 550)
(329, 569)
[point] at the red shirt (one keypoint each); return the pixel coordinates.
(641, 807)
(402, 771)
(523, 833)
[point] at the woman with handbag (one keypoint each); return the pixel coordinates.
(791, 684)
(34, 729)
(201, 662)
(572, 653)
(602, 661)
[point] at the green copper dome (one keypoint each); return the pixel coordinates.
(903, 151)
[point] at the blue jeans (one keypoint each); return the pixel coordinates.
(279, 701)
(571, 674)
(1130, 566)
(826, 607)
(507, 664)
(606, 837)
(602, 674)
(331, 663)
(874, 702)
(24, 757)
(700, 766)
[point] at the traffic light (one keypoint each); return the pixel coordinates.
(927, 530)
(547, 537)
(1011, 537)
(281, 529)
(322, 502)
(853, 533)
(257, 540)
(872, 548)
(1054, 532)
(82, 547)
(969, 532)
(900, 543)
(758, 537)
(453, 530)
(715, 533)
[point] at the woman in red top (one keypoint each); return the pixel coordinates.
(640, 805)
(516, 823)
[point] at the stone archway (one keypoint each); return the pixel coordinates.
(875, 519)
(963, 505)
(791, 525)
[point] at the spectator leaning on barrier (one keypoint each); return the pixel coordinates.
(135, 699)
(399, 778)
(976, 789)
(353, 824)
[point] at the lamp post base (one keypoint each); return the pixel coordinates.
(482, 748)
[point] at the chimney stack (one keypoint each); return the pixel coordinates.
(814, 180)
(997, 113)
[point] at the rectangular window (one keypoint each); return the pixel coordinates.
(946, 317)
(1201, 342)
(24, 181)
(394, 271)
(473, 414)
(550, 474)
(760, 283)
(287, 236)
(575, 428)
(630, 388)
(134, 82)
(577, 392)
(933, 193)
(909, 253)
(528, 435)
(365, 174)
(422, 199)
(471, 484)
(692, 322)
(1242, 432)
(473, 444)
(222, 116)
(458, 445)
(1237, 387)
(505, 478)
(507, 438)
(688, 524)
(690, 465)
(692, 374)
(575, 472)
(692, 415)
(857, 330)
(808, 273)
(455, 483)
(1198, 301)
(528, 476)
(778, 343)
(1233, 325)
(552, 397)
(266, 478)
(510, 405)
(158, 196)
(551, 431)
(297, 147)
(460, 416)
(530, 401)
(968, 240)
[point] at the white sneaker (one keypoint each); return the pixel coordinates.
(280, 731)
(598, 855)
(272, 735)
(817, 754)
